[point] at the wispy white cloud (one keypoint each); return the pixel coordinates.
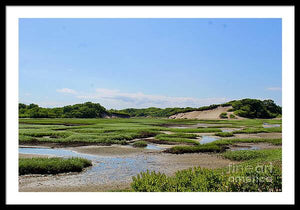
(118, 99)
(66, 90)
(274, 88)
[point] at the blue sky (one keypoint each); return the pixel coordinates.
(122, 63)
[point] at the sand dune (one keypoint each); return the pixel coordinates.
(212, 114)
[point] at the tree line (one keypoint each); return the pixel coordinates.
(249, 108)
(85, 110)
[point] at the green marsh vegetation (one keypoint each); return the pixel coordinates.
(51, 165)
(259, 171)
(259, 130)
(123, 130)
(103, 131)
(209, 147)
(177, 138)
(140, 144)
(224, 134)
(224, 142)
(241, 155)
(195, 130)
(220, 145)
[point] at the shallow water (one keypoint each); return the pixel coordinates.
(154, 147)
(267, 125)
(207, 139)
(104, 168)
(226, 130)
(149, 146)
(246, 148)
(54, 152)
(181, 127)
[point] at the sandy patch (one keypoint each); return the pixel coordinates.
(31, 155)
(83, 188)
(167, 132)
(117, 150)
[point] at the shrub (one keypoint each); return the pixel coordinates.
(253, 108)
(210, 180)
(223, 115)
(232, 116)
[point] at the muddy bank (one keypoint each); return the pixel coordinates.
(170, 163)
(198, 125)
(257, 135)
(107, 150)
(115, 150)
(253, 146)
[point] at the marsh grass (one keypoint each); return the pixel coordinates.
(224, 142)
(51, 165)
(224, 134)
(219, 145)
(259, 130)
(140, 144)
(241, 155)
(195, 130)
(105, 132)
(210, 147)
(122, 131)
(177, 137)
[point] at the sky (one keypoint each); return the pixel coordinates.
(140, 63)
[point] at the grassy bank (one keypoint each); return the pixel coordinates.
(261, 155)
(210, 147)
(51, 165)
(219, 145)
(181, 138)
